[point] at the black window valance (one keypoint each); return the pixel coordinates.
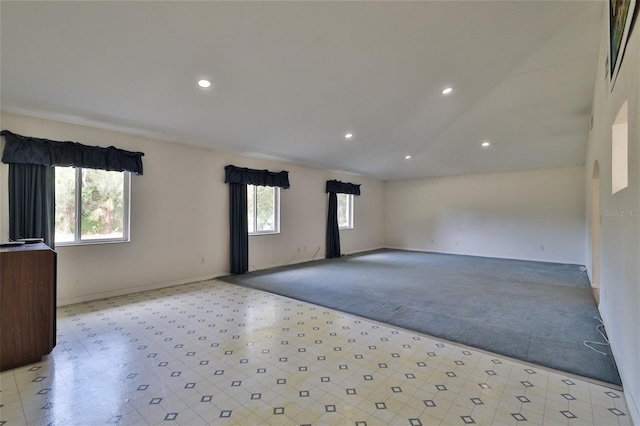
(44, 152)
(247, 176)
(338, 187)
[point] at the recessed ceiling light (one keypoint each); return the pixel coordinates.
(348, 136)
(447, 90)
(204, 83)
(407, 157)
(485, 144)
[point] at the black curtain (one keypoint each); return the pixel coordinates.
(239, 228)
(238, 178)
(247, 176)
(335, 187)
(343, 187)
(333, 234)
(44, 152)
(31, 202)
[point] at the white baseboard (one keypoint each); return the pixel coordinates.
(319, 256)
(138, 289)
(364, 250)
(530, 259)
(253, 268)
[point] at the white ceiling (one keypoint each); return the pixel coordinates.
(291, 78)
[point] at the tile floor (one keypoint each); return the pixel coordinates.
(215, 353)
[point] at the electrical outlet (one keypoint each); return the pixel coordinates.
(541, 248)
(202, 261)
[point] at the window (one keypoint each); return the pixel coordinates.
(620, 150)
(263, 209)
(345, 211)
(92, 206)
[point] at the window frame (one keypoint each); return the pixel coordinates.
(620, 149)
(350, 202)
(126, 235)
(276, 211)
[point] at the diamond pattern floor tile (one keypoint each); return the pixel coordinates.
(215, 353)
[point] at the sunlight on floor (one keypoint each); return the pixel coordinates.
(216, 353)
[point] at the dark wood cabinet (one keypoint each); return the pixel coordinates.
(27, 304)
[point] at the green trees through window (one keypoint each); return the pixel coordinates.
(345, 211)
(91, 205)
(263, 209)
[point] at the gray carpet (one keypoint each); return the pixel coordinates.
(533, 311)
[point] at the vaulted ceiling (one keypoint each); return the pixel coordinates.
(290, 79)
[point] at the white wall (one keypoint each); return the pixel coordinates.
(507, 215)
(619, 221)
(179, 216)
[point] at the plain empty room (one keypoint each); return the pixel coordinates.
(173, 154)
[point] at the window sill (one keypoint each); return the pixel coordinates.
(255, 234)
(90, 243)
